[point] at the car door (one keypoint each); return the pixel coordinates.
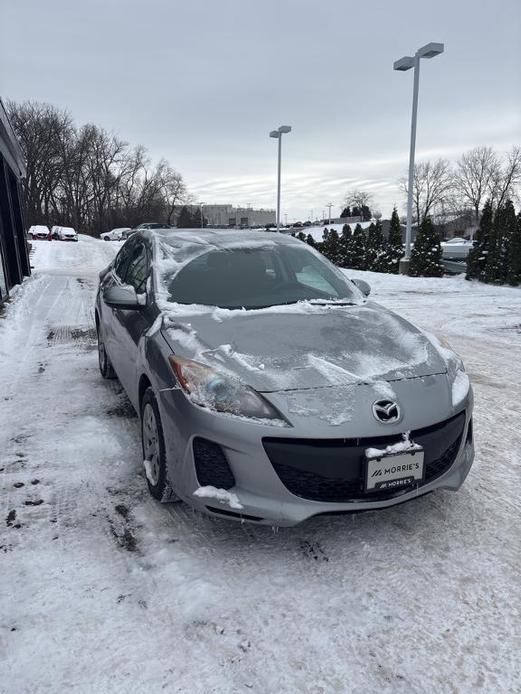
(109, 324)
(129, 326)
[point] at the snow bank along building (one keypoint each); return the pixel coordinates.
(14, 256)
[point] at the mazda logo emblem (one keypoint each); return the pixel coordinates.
(386, 411)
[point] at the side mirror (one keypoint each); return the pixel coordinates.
(125, 298)
(363, 286)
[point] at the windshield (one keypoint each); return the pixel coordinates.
(257, 278)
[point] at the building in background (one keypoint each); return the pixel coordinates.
(221, 216)
(352, 221)
(14, 256)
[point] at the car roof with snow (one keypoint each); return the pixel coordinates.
(180, 239)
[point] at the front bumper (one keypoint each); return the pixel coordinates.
(265, 498)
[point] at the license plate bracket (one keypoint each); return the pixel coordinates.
(390, 471)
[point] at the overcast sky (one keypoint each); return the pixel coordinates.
(203, 82)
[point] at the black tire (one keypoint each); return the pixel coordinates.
(156, 475)
(106, 238)
(105, 366)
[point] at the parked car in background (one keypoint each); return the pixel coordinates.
(115, 234)
(127, 234)
(152, 225)
(269, 388)
(456, 249)
(64, 233)
(142, 227)
(39, 232)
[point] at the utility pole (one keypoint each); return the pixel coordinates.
(329, 205)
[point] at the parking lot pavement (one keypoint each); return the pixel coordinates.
(104, 590)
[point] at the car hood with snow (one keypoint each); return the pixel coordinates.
(305, 345)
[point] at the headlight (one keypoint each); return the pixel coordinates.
(460, 387)
(221, 393)
(459, 380)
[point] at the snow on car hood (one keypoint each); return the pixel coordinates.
(303, 345)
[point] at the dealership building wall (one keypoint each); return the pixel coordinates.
(230, 216)
(14, 256)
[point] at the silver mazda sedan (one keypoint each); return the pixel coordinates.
(269, 388)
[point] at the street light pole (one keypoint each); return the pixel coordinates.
(406, 63)
(201, 205)
(277, 134)
(278, 181)
(412, 152)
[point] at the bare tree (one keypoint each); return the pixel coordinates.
(105, 164)
(358, 198)
(476, 172)
(87, 177)
(433, 183)
(130, 182)
(507, 179)
(40, 128)
(171, 186)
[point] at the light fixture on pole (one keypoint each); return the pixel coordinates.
(201, 205)
(277, 134)
(329, 206)
(430, 50)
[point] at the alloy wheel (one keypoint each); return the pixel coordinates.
(151, 443)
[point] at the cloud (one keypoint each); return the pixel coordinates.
(202, 84)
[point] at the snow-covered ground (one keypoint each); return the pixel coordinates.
(104, 590)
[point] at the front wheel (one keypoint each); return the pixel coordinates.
(154, 455)
(105, 366)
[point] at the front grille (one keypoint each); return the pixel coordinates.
(333, 469)
(211, 466)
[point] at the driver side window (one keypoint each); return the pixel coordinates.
(122, 258)
(138, 269)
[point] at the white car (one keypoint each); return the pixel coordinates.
(456, 249)
(39, 231)
(115, 234)
(64, 233)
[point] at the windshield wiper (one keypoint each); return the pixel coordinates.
(313, 302)
(323, 302)
(284, 303)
